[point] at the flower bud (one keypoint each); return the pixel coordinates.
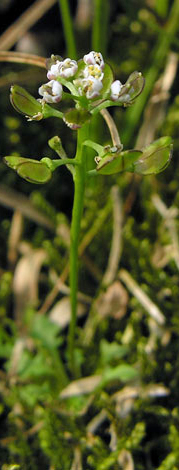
(68, 68)
(25, 103)
(52, 65)
(128, 92)
(94, 58)
(115, 90)
(53, 73)
(51, 91)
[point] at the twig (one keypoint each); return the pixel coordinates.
(144, 300)
(24, 23)
(115, 251)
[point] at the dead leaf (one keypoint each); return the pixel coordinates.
(113, 302)
(26, 277)
(125, 460)
(61, 312)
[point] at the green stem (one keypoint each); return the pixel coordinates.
(100, 26)
(79, 188)
(64, 161)
(68, 29)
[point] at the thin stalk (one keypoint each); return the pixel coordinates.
(79, 188)
(100, 25)
(68, 29)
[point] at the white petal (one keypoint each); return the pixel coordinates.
(115, 89)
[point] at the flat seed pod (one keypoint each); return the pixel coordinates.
(13, 162)
(112, 164)
(156, 157)
(132, 88)
(34, 172)
(25, 103)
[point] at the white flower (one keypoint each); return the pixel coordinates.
(53, 72)
(68, 68)
(94, 58)
(91, 87)
(51, 91)
(115, 90)
(93, 71)
(65, 69)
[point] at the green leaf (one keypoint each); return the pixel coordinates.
(34, 172)
(112, 351)
(33, 393)
(46, 332)
(25, 103)
(155, 158)
(75, 118)
(115, 163)
(107, 80)
(123, 372)
(34, 367)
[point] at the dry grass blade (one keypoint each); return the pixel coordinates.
(81, 386)
(125, 460)
(14, 200)
(84, 13)
(24, 23)
(140, 295)
(14, 237)
(77, 460)
(23, 58)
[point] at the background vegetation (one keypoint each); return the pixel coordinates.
(121, 411)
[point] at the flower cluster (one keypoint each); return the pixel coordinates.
(90, 80)
(87, 82)
(85, 79)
